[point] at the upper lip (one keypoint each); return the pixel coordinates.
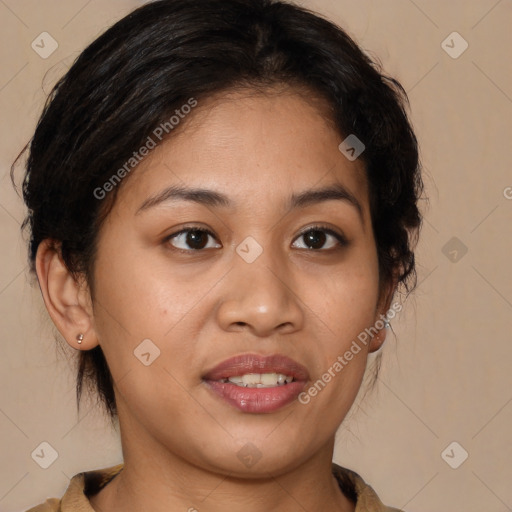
(254, 363)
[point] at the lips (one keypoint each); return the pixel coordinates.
(254, 363)
(256, 399)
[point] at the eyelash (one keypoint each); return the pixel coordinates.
(342, 241)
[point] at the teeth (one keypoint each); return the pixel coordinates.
(260, 380)
(251, 379)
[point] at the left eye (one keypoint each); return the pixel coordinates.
(317, 237)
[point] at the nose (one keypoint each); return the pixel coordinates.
(260, 297)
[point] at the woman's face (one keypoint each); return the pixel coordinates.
(170, 307)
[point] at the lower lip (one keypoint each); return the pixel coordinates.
(256, 400)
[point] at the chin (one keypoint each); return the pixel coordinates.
(254, 459)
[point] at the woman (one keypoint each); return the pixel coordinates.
(222, 204)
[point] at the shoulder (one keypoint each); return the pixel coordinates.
(356, 489)
(50, 505)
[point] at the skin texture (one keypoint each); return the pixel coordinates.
(180, 441)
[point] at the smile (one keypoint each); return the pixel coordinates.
(257, 384)
(260, 380)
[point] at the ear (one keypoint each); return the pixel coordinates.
(386, 296)
(68, 302)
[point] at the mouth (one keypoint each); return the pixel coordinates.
(257, 384)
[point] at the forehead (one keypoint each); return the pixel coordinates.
(251, 142)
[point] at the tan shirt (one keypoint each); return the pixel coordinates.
(88, 483)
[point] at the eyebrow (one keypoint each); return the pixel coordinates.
(216, 199)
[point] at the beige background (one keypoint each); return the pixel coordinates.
(446, 374)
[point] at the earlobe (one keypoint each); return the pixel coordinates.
(378, 339)
(64, 297)
(381, 320)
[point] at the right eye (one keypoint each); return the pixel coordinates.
(195, 238)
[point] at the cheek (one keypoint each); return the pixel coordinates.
(136, 297)
(343, 303)
(344, 298)
(342, 311)
(137, 300)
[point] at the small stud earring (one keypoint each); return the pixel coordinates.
(386, 324)
(79, 338)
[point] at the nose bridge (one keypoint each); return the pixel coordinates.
(259, 295)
